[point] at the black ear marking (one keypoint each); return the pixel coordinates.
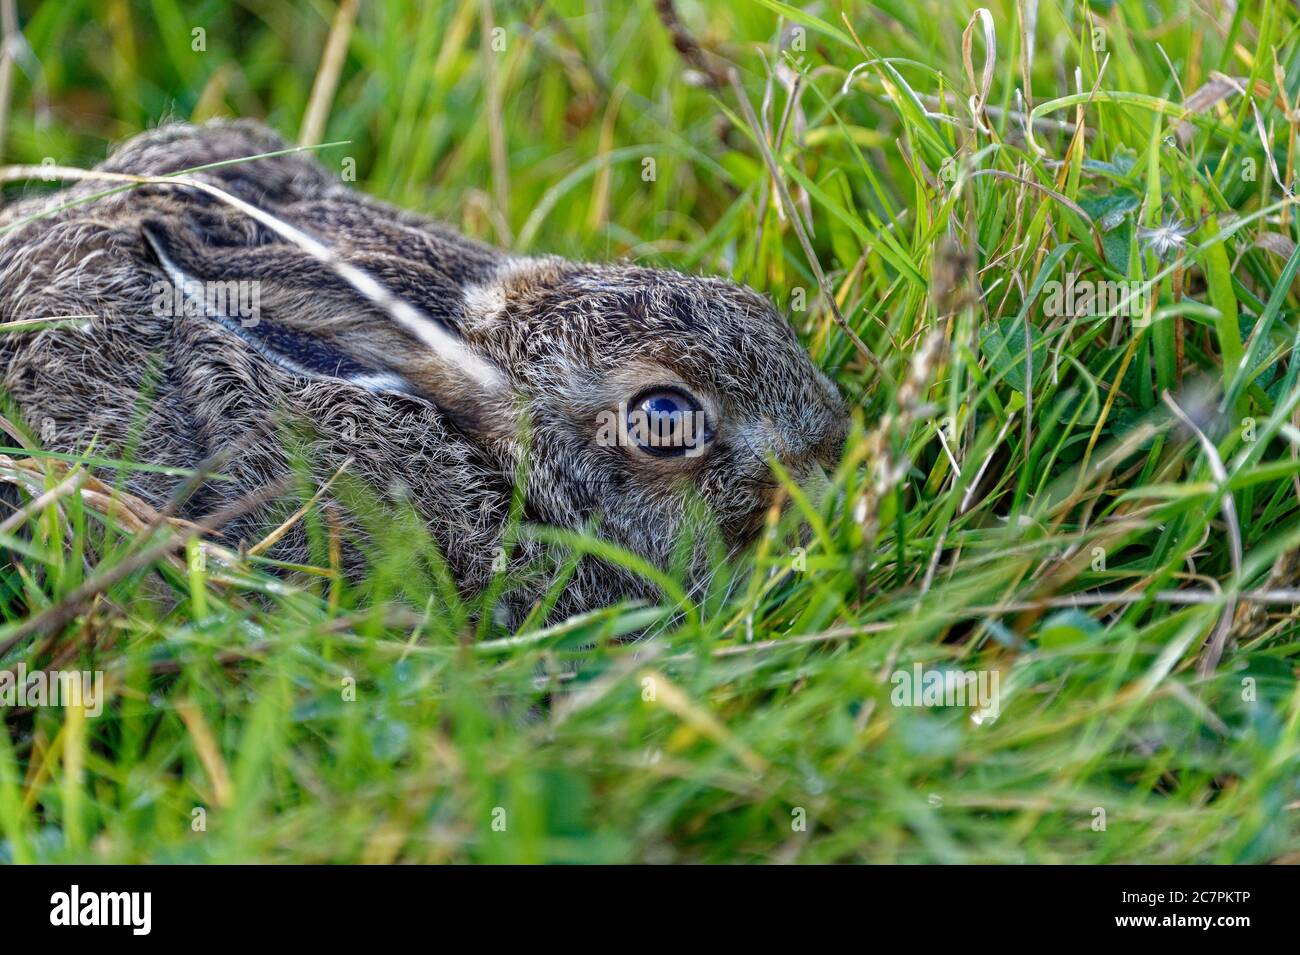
(293, 350)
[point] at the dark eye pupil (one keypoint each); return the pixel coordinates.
(664, 405)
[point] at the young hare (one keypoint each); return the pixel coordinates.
(613, 395)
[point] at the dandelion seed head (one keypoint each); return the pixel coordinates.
(1168, 237)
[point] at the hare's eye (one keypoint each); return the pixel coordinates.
(667, 422)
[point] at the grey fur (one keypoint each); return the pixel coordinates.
(571, 340)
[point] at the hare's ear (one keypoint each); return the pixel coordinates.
(340, 320)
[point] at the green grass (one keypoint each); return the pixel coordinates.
(313, 720)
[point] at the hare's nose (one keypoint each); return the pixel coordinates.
(800, 450)
(830, 448)
(816, 484)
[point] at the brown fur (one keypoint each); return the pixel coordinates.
(570, 340)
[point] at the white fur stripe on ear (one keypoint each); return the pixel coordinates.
(295, 354)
